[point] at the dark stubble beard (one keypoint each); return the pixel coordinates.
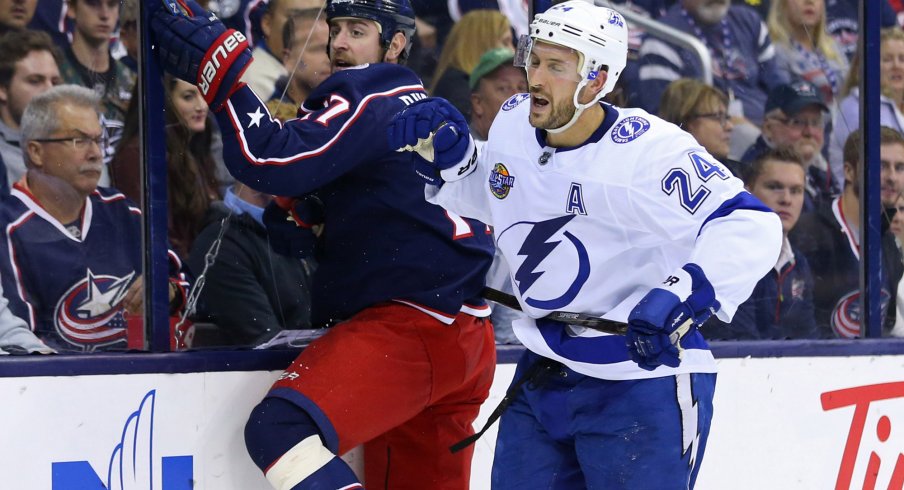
(558, 117)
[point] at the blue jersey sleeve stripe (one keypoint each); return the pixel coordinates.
(249, 155)
(744, 200)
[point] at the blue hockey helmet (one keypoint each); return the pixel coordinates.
(391, 15)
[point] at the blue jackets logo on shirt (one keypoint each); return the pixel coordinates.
(514, 101)
(501, 181)
(90, 313)
(629, 129)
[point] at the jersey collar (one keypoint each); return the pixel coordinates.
(608, 121)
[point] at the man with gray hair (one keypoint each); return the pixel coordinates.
(71, 258)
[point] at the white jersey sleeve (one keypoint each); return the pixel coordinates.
(592, 228)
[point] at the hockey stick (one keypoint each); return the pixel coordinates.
(578, 319)
(582, 319)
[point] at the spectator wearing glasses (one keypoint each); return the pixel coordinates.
(830, 239)
(702, 111)
(71, 255)
(781, 305)
(796, 117)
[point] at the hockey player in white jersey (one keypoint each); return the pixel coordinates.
(605, 211)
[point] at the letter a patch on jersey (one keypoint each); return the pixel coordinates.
(575, 203)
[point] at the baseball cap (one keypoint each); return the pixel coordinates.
(489, 61)
(794, 96)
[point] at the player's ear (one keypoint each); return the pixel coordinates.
(593, 87)
(476, 106)
(850, 172)
(35, 154)
(267, 23)
(4, 94)
(396, 47)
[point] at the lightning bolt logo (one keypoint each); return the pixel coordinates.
(535, 248)
(690, 424)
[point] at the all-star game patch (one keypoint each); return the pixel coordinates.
(501, 181)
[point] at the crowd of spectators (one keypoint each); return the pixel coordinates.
(782, 113)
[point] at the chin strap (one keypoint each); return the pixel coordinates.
(579, 108)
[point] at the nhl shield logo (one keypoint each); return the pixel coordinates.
(501, 181)
(629, 129)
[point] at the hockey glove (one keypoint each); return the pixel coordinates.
(659, 321)
(289, 225)
(438, 133)
(196, 47)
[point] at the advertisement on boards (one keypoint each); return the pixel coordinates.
(789, 423)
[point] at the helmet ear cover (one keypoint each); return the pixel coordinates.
(391, 16)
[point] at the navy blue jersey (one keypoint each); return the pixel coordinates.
(50, 17)
(831, 248)
(381, 241)
(68, 280)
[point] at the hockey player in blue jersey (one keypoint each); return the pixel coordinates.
(407, 367)
(611, 212)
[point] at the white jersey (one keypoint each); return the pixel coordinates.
(592, 229)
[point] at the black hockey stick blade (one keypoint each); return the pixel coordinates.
(577, 319)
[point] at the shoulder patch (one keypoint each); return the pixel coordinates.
(629, 129)
(501, 181)
(514, 101)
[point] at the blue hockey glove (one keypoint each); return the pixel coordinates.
(659, 321)
(438, 133)
(289, 225)
(196, 47)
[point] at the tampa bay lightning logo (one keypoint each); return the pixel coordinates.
(629, 129)
(550, 252)
(90, 313)
(514, 101)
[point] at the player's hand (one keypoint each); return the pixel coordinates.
(196, 47)
(435, 130)
(659, 321)
(289, 225)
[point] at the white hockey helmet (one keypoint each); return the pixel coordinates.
(598, 34)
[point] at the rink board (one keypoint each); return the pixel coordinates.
(789, 422)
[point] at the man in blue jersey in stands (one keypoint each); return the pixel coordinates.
(606, 211)
(411, 356)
